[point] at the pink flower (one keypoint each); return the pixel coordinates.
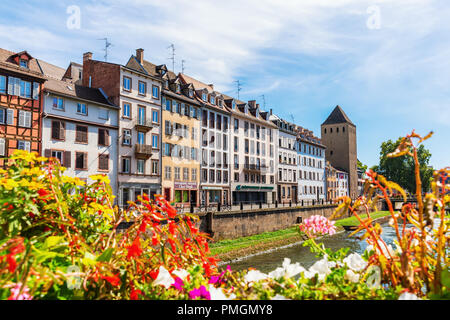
(178, 284)
(16, 295)
(199, 293)
(318, 225)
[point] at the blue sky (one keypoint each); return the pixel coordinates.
(386, 63)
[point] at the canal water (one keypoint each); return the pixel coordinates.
(269, 261)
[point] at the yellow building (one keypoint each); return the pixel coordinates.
(180, 142)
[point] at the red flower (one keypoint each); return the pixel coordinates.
(12, 265)
(135, 249)
(114, 279)
(135, 294)
(154, 274)
(172, 227)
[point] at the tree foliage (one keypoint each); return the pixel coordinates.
(401, 169)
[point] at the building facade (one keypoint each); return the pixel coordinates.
(215, 143)
(21, 84)
(137, 91)
(342, 182)
(338, 134)
(180, 142)
(287, 180)
(80, 128)
(253, 141)
(311, 163)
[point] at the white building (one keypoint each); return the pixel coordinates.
(80, 125)
(254, 163)
(342, 183)
(311, 161)
(287, 160)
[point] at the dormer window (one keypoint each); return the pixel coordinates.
(23, 63)
(204, 96)
(191, 93)
(178, 88)
(213, 100)
(233, 105)
(166, 84)
(219, 102)
(246, 109)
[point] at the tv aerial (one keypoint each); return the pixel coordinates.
(107, 45)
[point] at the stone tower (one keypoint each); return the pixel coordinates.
(338, 134)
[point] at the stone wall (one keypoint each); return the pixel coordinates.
(237, 224)
(246, 223)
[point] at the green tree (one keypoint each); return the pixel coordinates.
(401, 169)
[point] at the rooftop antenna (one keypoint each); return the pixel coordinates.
(182, 66)
(173, 56)
(293, 119)
(238, 85)
(107, 45)
(264, 102)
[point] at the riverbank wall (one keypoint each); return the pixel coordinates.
(230, 225)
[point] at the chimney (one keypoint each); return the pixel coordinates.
(270, 111)
(140, 55)
(257, 105)
(87, 56)
(211, 85)
(252, 103)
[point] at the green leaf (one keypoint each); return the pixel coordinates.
(52, 241)
(106, 255)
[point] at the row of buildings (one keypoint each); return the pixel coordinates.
(156, 132)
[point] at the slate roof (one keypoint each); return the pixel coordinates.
(338, 116)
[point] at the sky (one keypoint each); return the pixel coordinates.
(385, 62)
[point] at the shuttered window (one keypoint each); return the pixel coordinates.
(24, 145)
(81, 160)
(103, 162)
(81, 134)
(24, 119)
(2, 84)
(58, 130)
(103, 137)
(35, 90)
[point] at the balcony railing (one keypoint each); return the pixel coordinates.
(143, 124)
(143, 150)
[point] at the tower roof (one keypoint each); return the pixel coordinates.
(338, 116)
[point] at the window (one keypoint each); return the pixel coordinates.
(186, 174)
(58, 130)
(167, 173)
(126, 110)
(81, 134)
(211, 120)
(127, 83)
(236, 176)
(236, 125)
(126, 137)
(219, 122)
(126, 165)
(155, 167)
(25, 89)
(23, 145)
(141, 115)
(204, 96)
(24, 119)
(103, 114)
(81, 160)
(169, 105)
(177, 174)
(155, 92)
(155, 141)
(193, 174)
(246, 128)
(23, 63)
(211, 176)
(2, 84)
(142, 88)
(140, 166)
(141, 138)
(103, 162)
(103, 137)
(155, 116)
(81, 108)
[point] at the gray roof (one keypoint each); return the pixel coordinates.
(338, 116)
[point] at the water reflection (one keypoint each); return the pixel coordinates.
(270, 261)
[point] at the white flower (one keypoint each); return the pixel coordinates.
(287, 270)
(181, 273)
(321, 267)
(255, 275)
(279, 297)
(408, 296)
(414, 242)
(352, 276)
(218, 294)
(164, 278)
(355, 262)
